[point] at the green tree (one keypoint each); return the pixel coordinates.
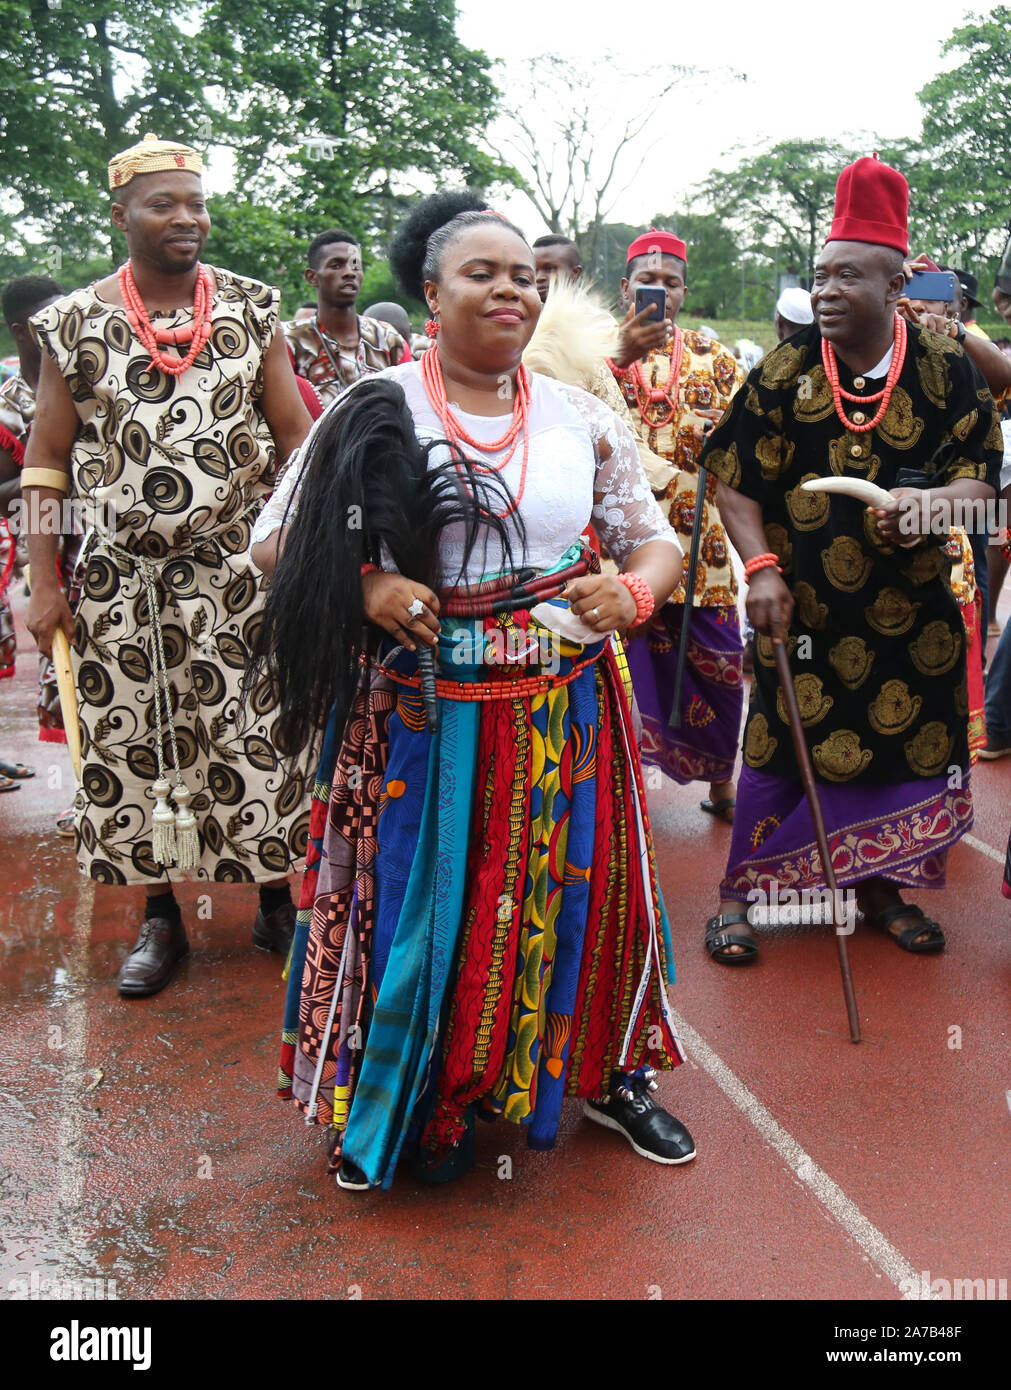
(782, 200)
(257, 240)
(714, 271)
(81, 81)
(344, 108)
(963, 173)
(608, 266)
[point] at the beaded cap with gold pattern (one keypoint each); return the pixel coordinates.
(151, 156)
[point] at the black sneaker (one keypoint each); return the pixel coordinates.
(273, 931)
(652, 1132)
(351, 1177)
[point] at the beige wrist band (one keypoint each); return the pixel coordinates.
(45, 477)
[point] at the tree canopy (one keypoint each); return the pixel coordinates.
(332, 112)
(344, 113)
(964, 171)
(80, 82)
(782, 198)
(346, 108)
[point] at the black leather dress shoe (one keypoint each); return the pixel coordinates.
(162, 944)
(272, 931)
(651, 1130)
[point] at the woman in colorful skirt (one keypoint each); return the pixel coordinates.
(481, 931)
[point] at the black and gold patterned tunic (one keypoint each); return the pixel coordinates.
(876, 639)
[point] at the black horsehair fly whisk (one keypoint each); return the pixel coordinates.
(368, 490)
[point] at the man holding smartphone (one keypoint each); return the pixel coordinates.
(676, 383)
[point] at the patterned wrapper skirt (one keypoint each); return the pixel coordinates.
(900, 832)
(8, 635)
(480, 922)
(704, 748)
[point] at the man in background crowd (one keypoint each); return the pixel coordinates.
(683, 382)
(966, 302)
(555, 255)
(1002, 287)
(337, 345)
(793, 312)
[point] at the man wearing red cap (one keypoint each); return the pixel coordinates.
(862, 598)
(683, 382)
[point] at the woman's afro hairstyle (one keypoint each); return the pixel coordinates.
(418, 246)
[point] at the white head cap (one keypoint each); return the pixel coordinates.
(794, 305)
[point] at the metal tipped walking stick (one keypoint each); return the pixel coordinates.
(811, 792)
(674, 722)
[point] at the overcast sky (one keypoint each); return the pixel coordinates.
(811, 70)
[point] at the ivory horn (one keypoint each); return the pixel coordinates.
(868, 493)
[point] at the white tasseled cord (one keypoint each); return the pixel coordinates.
(174, 833)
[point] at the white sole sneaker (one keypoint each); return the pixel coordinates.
(350, 1185)
(599, 1118)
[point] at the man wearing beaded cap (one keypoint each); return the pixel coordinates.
(683, 382)
(167, 397)
(862, 597)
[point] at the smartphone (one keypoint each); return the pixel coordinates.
(931, 285)
(651, 294)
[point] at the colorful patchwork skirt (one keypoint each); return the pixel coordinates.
(480, 922)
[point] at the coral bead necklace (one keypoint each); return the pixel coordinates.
(435, 389)
(859, 425)
(195, 334)
(659, 401)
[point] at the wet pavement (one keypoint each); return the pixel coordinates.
(141, 1141)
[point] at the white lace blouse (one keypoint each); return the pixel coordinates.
(567, 484)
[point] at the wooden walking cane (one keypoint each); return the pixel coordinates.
(811, 792)
(674, 722)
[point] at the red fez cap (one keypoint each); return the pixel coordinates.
(665, 242)
(871, 204)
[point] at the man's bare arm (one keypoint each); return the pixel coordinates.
(49, 445)
(283, 408)
(770, 602)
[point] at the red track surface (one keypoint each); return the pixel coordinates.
(179, 1174)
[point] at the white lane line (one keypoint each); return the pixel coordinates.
(74, 1026)
(983, 848)
(874, 1244)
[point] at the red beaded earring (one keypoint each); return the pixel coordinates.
(432, 328)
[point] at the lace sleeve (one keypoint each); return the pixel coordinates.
(272, 516)
(625, 512)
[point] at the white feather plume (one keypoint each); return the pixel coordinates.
(574, 334)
